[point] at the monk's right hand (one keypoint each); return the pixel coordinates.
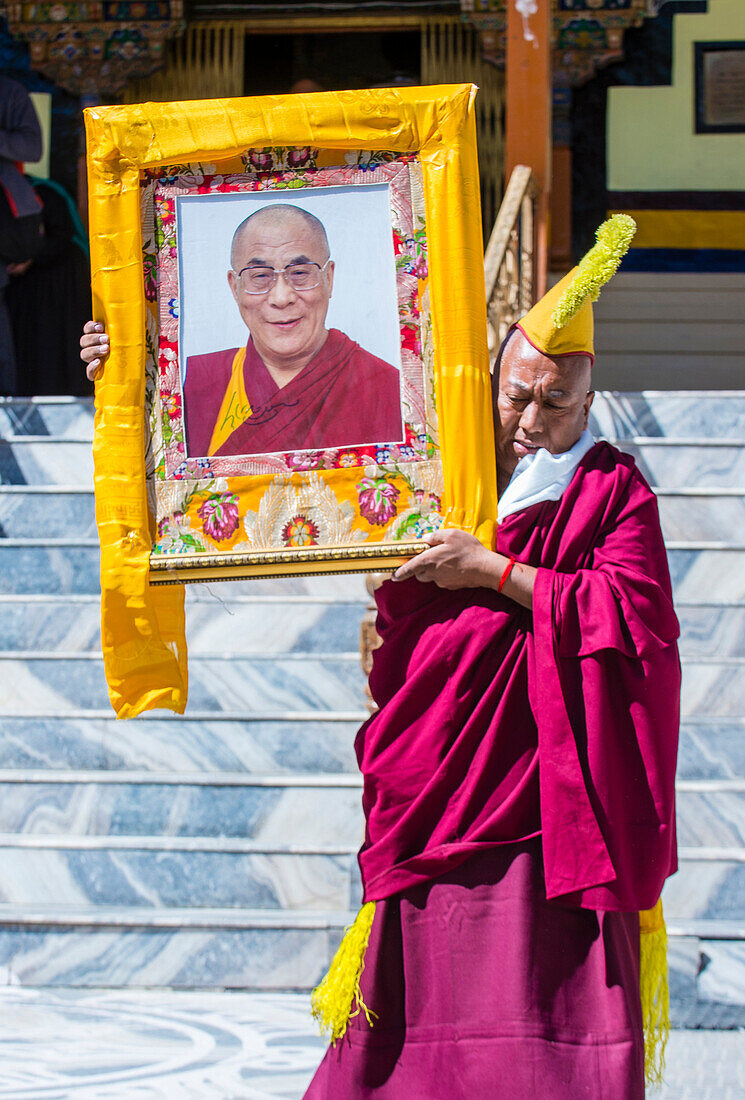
(94, 347)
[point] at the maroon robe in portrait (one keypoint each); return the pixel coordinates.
(519, 799)
(344, 397)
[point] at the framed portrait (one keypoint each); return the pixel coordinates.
(720, 87)
(299, 374)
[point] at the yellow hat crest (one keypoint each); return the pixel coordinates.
(562, 322)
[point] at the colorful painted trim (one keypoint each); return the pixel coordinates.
(676, 200)
(689, 229)
(712, 261)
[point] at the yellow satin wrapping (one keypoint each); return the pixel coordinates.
(142, 634)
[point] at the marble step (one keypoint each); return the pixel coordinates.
(674, 297)
(710, 632)
(706, 462)
(710, 885)
(182, 872)
(30, 468)
(693, 514)
(50, 445)
(710, 573)
(706, 974)
(26, 511)
(713, 689)
(260, 950)
(615, 367)
(33, 683)
(305, 743)
(256, 625)
(71, 624)
(119, 947)
(322, 812)
(645, 336)
(37, 461)
(71, 566)
(199, 744)
(258, 684)
(690, 464)
(300, 744)
(712, 748)
(710, 818)
(692, 414)
(201, 872)
(702, 515)
(677, 414)
(70, 417)
(706, 572)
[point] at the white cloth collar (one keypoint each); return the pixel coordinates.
(542, 476)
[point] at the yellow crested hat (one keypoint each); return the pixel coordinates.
(561, 323)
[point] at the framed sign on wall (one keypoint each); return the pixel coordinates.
(720, 87)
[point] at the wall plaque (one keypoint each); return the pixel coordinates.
(720, 87)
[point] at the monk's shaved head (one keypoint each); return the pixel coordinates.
(539, 402)
(280, 215)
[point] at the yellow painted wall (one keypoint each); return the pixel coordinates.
(652, 139)
(42, 102)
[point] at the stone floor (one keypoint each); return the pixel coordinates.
(153, 1045)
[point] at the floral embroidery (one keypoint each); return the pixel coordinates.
(297, 158)
(345, 458)
(166, 210)
(260, 159)
(150, 268)
(306, 498)
(300, 531)
(220, 516)
(410, 338)
(377, 499)
(305, 460)
(175, 536)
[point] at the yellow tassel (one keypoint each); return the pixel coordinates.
(655, 991)
(595, 269)
(338, 997)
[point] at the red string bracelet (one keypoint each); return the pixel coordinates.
(507, 570)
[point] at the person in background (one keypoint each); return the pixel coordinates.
(20, 209)
(54, 285)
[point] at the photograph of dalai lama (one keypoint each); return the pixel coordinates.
(296, 384)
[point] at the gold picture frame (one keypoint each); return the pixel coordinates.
(433, 130)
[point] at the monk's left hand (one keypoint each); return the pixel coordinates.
(455, 560)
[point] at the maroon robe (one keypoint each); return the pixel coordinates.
(344, 397)
(505, 733)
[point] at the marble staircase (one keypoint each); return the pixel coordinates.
(217, 850)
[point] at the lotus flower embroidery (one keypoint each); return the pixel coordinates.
(377, 499)
(219, 515)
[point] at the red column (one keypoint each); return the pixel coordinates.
(528, 122)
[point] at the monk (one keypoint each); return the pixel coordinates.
(519, 772)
